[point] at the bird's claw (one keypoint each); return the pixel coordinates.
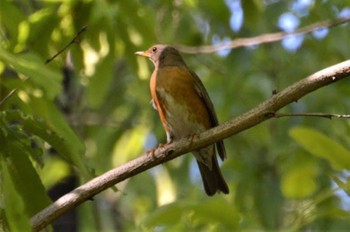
(152, 151)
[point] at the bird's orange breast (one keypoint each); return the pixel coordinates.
(180, 107)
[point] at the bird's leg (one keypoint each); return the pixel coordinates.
(151, 152)
(191, 137)
(169, 137)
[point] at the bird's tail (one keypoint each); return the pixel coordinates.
(213, 180)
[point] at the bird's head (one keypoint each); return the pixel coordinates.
(161, 54)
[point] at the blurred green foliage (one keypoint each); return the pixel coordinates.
(89, 110)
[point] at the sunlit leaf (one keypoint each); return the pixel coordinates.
(15, 157)
(12, 202)
(322, 146)
(55, 132)
(34, 68)
(10, 18)
(54, 171)
(299, 182)
(165, 215)
(214, 211)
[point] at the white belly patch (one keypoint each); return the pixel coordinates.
(178, 117)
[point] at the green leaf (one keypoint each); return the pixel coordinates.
(300, 181)
(322, 146)
(13, 203)
(22, 175)
(213, 212)
(216, 9)
(33, 67)
(54, 171)
(216, 211)
(10, 18)
(343, 185)
(165, 215)
(100, 82)
(54, 131)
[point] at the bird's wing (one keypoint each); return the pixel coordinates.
(202, 92)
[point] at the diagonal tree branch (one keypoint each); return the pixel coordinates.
(260, 113)
(262, 39)
(319, 115)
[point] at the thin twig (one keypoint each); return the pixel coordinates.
(321, 115)
(7, 96)
(163, 154)
(74, 40)
(262, 39)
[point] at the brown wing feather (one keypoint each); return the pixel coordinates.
(202, 92)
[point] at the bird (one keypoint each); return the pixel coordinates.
(185, 109)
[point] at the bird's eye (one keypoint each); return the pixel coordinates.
(154, 49)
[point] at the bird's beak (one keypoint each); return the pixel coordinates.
(142, 53)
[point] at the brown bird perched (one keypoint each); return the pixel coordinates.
(185, 109)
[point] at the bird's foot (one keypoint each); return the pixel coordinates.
(152, 151)
(191, 137)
